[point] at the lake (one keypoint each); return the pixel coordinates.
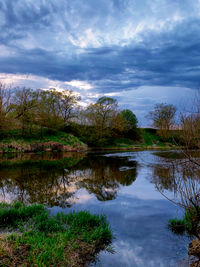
(128, 187)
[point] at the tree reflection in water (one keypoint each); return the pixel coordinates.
(97, 174)
(180, 174)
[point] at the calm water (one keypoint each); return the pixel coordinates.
(120, 185)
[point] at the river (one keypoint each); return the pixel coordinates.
(122, 185)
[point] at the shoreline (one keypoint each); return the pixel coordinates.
(42, 147)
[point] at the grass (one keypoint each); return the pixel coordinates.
(189, 223)
(48, 135)
(178, 226)
(13, 140)
(39, 239)
(121, 143)
(150, 137)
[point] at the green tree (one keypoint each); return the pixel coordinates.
(129, 121)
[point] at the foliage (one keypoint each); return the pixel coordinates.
(129, 119)
(129, 122)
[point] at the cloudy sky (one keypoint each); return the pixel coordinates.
(141, 52)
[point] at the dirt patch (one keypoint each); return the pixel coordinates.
(83, 254)
(12, 256)
(194, 248)
(195, 264)
(77, 254)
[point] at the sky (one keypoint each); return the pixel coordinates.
(140, 52)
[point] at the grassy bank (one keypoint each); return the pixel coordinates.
(149, 139)
(49, 140)
(53, 140)
(38, 239)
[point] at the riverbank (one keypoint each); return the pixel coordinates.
(50, 141)
(149, 140)
(30, 236)
(57, 141)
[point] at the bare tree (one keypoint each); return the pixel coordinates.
(191, 125)
(25, 101)
(163, 117)
(55, 109)
(184, 171)
(102, 115)
(5, 105)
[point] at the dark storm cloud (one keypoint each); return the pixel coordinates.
(37, 38)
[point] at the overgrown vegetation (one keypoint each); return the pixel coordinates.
(38, 239)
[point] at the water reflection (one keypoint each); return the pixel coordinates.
(58, 186)
(116, 185)
(180, 174)
(103, 175)
(163, 178)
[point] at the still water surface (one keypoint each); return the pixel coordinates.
(118, 184)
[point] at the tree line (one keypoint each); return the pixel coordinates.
(26, 109)
(97, 124)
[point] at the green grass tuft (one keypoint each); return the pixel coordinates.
(189, 223)
(178, 226)
(52, 240)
